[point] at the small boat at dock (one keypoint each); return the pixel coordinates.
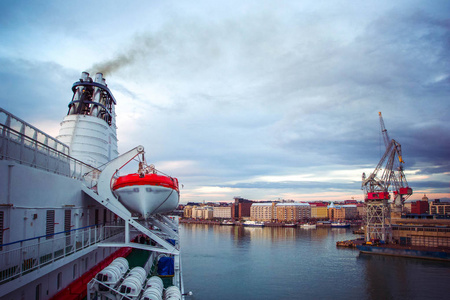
(253, 223)
(308, 226)
(339, 225)
(227, 223)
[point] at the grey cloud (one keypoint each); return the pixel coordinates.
(297, 185)
(268, 91)
(439, 185)
(32, 90)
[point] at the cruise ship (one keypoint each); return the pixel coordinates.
(65, 230)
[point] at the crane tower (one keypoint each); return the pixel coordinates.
(387, 176)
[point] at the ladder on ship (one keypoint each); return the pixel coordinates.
(168, 229)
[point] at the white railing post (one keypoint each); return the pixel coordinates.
(53, 248)
(127, 232)
(21, 258)
(39, 253)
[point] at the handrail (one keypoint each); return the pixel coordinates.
(51, 148)
(53, 234)
(10, 115)
(23, 258)
(34, 140)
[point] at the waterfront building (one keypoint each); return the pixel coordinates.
(420, 207)
(350, 211)
(293, 212)
(209, 213)
(354, 202)
(335, 212)
(241, 208)
(222, 212)
(202, 212)
(319, 210)
(407, 207)
(360, 210)
(187, 211)
(439, 208)
(264, 212)
(421, 232)
(342, 212)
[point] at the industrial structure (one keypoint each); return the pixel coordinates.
(387, 176)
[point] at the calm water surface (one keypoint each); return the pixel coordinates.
(226, 262)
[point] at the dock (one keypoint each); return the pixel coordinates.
(350, 243)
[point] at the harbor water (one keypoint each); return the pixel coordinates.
(234, 262)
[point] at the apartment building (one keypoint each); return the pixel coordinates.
(264, 212)
(293, 212)
(319, 210)
(222, 212)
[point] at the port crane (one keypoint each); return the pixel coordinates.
(388, 175)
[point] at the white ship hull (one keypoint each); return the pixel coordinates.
(59, 221)
(148, 199)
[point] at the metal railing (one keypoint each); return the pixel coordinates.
(22, 142)
(21, 257)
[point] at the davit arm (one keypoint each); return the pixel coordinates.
(104, 181)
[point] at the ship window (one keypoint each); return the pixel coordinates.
(59, 281)
(50, 225)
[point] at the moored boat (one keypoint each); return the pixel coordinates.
(228, 223)
(339, 225)
(308, 226)
(253, 223)
(405, 251)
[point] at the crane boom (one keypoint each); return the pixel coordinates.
(386, 138)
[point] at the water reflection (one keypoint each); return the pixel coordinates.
(388, 277)
(235, 262)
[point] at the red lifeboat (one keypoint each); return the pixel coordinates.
(148, 179)
(148, 194)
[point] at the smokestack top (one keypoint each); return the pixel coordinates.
(99, 78)
(84, 76)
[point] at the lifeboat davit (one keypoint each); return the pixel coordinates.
(147, 194)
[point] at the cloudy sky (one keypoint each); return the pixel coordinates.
(259, 99)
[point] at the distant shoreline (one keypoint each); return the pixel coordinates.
(266, 224)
